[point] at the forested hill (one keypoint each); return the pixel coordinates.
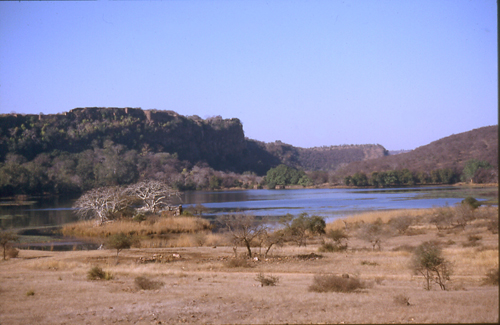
(218, 142)
(451, 152)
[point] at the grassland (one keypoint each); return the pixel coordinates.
(192, 280)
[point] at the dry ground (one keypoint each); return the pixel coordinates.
(200, 288)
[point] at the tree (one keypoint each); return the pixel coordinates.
(339, 238)
(372, 233)
(243, 229)
(471, 167)
(359, 179)
(428, 261)
(119, 242)
(401, 223)
(101, 203)
(5, 238)
(154, 194)
(284, 175)
(298, 228)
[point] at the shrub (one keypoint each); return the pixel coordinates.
(12, 252)
(97, 273)
(472, 202)
(119, 242)
(472, 241)
(339, 238)
(237, 262)
(144, 283)
(30, 293)
(369, 263)
(5, 239)
(427, 261)
(492, 277)
(402, 299)
(267, 280)
(401, 224)
(334, 283)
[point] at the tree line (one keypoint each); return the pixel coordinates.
(474, 171)
(71, 174)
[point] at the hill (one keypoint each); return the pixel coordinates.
(450, 152)
(95, 146)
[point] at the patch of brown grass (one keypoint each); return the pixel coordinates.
(373, 216)
(158, 226)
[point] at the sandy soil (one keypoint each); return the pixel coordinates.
(42, 287)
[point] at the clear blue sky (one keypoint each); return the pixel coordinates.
(309, 73)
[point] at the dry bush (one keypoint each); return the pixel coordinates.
(97, 273)
(402, 300)
(472, 241)
(144, 283)
(369, 263)
(401, 223)
(11, 252)
(30, 293)
(237, 262)
(334, 283)
(492, 277)
(267, 280)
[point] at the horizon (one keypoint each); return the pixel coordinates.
(307, 73)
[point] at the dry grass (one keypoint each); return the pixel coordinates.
(373, 216)
(158, 226)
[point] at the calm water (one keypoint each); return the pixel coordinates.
(329, 203)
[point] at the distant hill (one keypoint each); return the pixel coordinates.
(449, 152)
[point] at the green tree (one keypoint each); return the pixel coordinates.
(447, 175)
(283, 175)
(119, 241)
(429, 262)
(406, 177)
(471, 167)
(359, 179)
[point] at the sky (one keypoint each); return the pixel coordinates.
(308, 73)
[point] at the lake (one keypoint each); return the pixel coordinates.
(329, 203)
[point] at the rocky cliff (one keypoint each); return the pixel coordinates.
(218, 142)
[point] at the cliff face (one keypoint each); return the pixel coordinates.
(218, 142)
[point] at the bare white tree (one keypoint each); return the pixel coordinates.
(154, 194)
(101, 203)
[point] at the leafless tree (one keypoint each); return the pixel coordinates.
(243, 229)
(373, 233)
(101, 203)
(154, 194)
